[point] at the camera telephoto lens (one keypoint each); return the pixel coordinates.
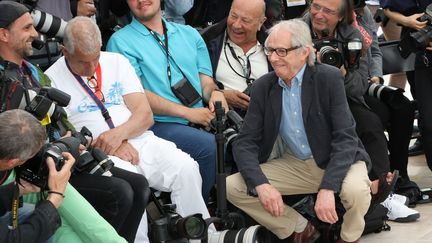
(253, 234)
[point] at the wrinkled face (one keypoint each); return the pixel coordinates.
(81, 63)
(244, 21)
(288, 66)
(20, 36)
(144, 10)
(325, 15)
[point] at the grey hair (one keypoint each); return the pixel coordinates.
(300, 35)
(22, 134)
(82, 32)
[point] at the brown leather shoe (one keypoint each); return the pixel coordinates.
(342, 241)
(309, 234)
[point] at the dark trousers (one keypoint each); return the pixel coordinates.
(397, 116)
(120, 199)
(423, 87)
(370, 130)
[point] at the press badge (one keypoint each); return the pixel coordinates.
(292, 3)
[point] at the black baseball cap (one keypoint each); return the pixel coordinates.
(10, 11)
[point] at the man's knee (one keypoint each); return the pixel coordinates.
(234, 186)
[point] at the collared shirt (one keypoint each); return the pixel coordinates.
(227, 76)
(149, 59)
(291, 128)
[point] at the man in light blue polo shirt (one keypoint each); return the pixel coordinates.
(145, 42)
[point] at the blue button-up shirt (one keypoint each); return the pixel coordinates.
(291, 128)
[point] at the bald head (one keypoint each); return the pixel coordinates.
(257, 7)
(244, 21)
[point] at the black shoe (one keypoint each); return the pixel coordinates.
(416, 149)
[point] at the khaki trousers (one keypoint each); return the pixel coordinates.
(292, 176)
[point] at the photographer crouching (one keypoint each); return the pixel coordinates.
(120, 199)
(23, 137)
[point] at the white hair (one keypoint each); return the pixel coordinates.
(83, 33)
(300, 35)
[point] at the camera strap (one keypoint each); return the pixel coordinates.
(92, 94)
(15, 204)
(165, 48)
(247, 69)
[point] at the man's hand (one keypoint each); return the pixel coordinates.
(413, 22)
(127, 152)
(237, 99)
(86, 8)
(26, 187)
(57, 180)
(201, 116)
(325, 206)
(270, 199)
(429, 47)
(109, 141)
(81, 146)
(375, 80)
(217, 96)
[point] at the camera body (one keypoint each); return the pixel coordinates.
(418, 40)
(340, 52)
(35, 170)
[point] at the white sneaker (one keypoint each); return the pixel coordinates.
(398, 212)
(400, 198)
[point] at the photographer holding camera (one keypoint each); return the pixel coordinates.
(415, 17)
(23, 136)
(332, 21)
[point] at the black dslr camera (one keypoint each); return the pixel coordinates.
(47, 100)
(169, 226)
(419, 40)
(172, 226)
(330, 53)
(93, 160)
(35, 170)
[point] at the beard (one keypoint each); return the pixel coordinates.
(24, 50)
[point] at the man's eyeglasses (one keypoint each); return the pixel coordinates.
(317, 7)
(282, 52)
(92, 83)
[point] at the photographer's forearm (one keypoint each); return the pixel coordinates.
(162, 106)
(407, 21)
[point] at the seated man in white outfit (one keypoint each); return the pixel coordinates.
(93, 77)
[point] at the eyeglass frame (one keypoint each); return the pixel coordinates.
(96, 88)
(268, 51)
(327, 11)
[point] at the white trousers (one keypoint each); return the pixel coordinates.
(167, 169)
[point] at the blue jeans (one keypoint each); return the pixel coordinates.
(200, 145)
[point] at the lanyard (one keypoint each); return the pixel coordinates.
(98, 78)
(101, 106)
(15, 205)
(247, 69)
(166, 49)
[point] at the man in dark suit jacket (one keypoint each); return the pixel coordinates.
(304, 106)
